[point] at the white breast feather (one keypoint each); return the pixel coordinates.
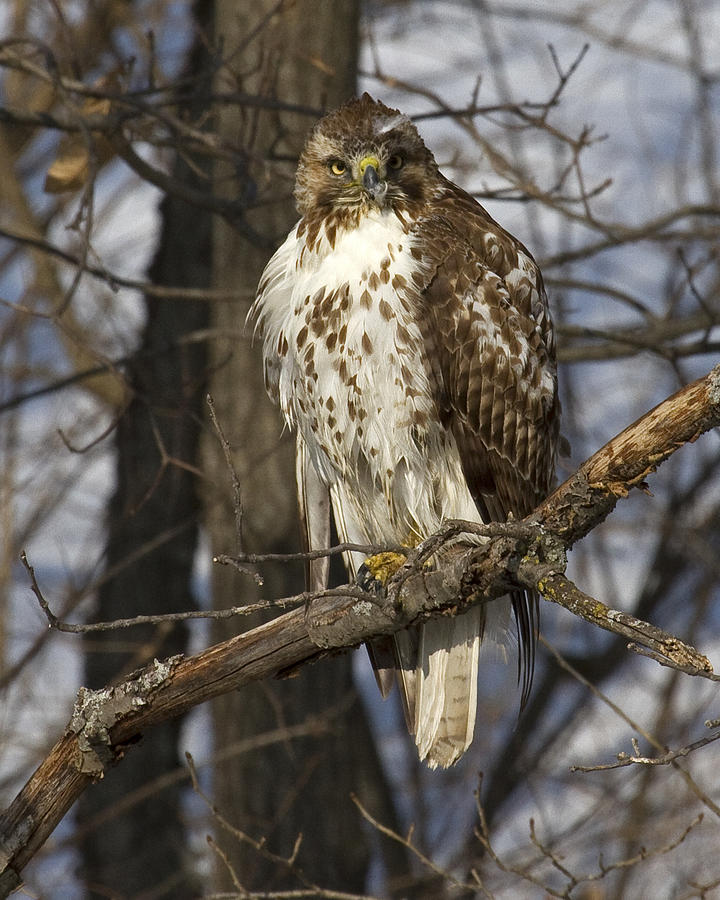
(383, 453)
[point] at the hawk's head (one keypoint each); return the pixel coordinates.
(363, 155)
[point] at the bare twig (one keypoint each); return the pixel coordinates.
(572, 880)
(650, 738)
(407, 842)
(624, 759)
(288, 863)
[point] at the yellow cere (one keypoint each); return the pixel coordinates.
(369, 161)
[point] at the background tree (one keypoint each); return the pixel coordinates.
(152, 534)
(632, 269)
(292, 59)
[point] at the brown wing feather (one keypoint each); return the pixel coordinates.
(490, 345)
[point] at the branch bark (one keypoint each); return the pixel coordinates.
(105, 724)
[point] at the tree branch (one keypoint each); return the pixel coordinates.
(106, 723)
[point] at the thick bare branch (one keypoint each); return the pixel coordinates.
(590, 494)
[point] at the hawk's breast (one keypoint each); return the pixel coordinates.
(346, 360)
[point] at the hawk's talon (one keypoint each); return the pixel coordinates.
(377, 570)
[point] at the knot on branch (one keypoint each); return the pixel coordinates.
(519, 555)
(96, 712)
(346, 624)
(546, 555)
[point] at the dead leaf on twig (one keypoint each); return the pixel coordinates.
(71, 167)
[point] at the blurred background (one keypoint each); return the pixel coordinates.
(147, 151)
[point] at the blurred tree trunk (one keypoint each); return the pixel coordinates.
(305, 54)
(152, 536)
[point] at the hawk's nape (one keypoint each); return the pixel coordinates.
(408, 341)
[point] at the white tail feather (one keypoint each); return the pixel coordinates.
(446, 687)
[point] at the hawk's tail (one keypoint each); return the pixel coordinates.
(445, 686)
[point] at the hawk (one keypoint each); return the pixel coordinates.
(408, 342)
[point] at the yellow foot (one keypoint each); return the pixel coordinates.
(382, 566)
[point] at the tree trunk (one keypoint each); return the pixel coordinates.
(305, 55)
(152, 536)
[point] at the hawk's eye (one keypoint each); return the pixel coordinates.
(337, 167)
(395, 161)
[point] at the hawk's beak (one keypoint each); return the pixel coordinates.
(371, 182)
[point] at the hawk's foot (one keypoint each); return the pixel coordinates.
(378, 569)
(382, 566)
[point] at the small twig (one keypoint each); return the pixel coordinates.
(302, 556)
(645, 854)
(53, 621)
(651, 739)
(117, 624)
(573, 880)
(348, 590)
(700, 299)
(237, 492)
(115, 280)
(624, 759)
(106, 432)
(238, 510)
(482, 833)
(549, 854)
(407, 843)
(564, 75)
(260, 846)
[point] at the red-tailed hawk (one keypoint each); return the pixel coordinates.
(407, 340)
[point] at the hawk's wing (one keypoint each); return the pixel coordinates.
(314, 502)
(314, 505)
(489, 343)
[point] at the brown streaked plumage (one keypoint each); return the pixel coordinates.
(407, 339)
